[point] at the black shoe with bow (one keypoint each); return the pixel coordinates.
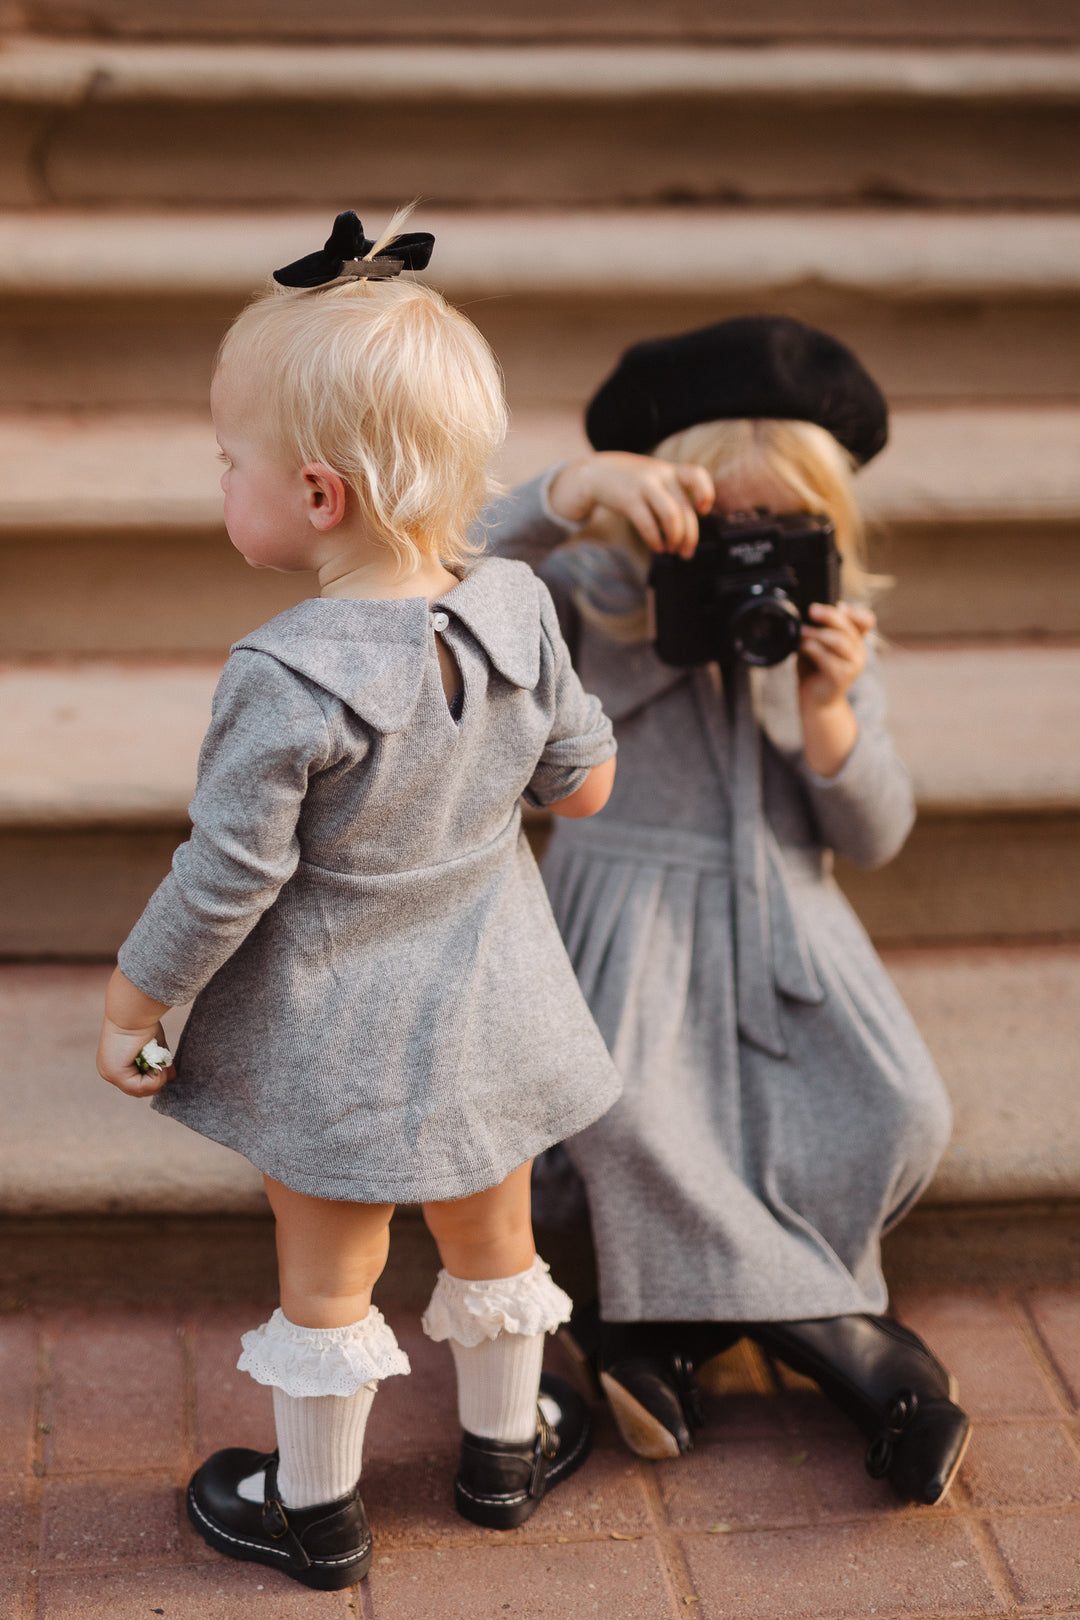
(500, 1483)
(885, 1379)
(327, 1546)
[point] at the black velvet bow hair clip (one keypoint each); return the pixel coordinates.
(345, 256)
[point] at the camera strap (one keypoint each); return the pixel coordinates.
(771, 950)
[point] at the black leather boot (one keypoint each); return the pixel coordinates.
(885, 1379)
(500, 1483)
(646, 1371)
(327, 1546)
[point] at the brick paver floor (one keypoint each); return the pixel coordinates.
(107, 1400)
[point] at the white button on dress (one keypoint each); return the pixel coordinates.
(440, 621)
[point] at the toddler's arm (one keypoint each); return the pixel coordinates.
(863, 801)
(268, 734)
(591, 796)
(573, 775)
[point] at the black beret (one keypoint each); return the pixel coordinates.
(752, 366)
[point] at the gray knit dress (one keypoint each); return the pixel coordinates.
(779, 1108)
(384, 1009)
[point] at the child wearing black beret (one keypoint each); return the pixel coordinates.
(780, 1110)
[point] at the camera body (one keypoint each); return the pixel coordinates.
(746, 591)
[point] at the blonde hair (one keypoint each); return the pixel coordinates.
(392, 388)
(801, 456)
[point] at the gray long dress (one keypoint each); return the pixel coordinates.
(779, 1108)
(385, 1010)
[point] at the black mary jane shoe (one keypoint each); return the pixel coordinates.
(655, 1402)
(885, 1379)
(500, 1483)
(327, 1546)
(647, 1372)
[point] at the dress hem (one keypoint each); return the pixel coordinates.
(727, 1310)
(478, 1178)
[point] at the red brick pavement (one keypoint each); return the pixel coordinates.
(104, 1411)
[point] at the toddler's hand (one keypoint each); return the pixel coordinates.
(116, 1054)
(832, 652)
(662, 499)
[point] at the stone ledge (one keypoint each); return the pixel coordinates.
(1001, 1023)
(61, 74)
(548, 254)
(108, 744)
(157, 470)
(1016, 23)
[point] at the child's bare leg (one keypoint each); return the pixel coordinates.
(488, 1234)
(330, 1255)
(494, 1302)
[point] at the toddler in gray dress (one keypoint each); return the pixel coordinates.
(383, 1007)
(779, 1109)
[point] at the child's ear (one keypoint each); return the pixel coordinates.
(324, 494)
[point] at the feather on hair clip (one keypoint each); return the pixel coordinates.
(345, 257)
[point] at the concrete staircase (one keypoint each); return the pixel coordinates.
(907, 177)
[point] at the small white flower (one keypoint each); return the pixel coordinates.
(153, 1058)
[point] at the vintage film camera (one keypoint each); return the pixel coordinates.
(747, 589)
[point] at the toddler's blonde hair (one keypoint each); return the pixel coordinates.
(391, 387)
(803, 457)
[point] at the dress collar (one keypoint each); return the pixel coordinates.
(371, 654)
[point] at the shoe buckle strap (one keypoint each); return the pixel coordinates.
(545, 1450)
(276, 1523)
(688, 1392)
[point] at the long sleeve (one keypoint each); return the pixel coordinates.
(867, 809)
(581, 734)
(267, 734)
(521, 525)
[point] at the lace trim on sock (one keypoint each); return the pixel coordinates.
(470, 1312)
(322, 1361)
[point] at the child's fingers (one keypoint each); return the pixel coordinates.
(677, 518)
(698, 486)
(117, 1051)
(842, 615)
(640, 514)
(134, 1084)
(825, 663)
(841, 641)
(664, 523)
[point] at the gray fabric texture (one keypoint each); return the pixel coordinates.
(779, 1107)
(384, 1009)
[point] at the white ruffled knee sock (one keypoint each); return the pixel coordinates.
(496, 1331)
(324, 1381)
(320, 1443)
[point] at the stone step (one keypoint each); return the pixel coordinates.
(89, 122)
(995, 1019)
(1000, 22)
(975, 511)
(97, 762)
(126, 309)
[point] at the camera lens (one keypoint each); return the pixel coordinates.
(765, 630)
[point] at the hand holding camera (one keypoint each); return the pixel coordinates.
(662, 499)
(832, 652)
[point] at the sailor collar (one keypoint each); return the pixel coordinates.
(371, 653)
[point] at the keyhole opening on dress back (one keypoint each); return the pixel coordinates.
(449, 671)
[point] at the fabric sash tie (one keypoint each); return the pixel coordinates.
(771, 950)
